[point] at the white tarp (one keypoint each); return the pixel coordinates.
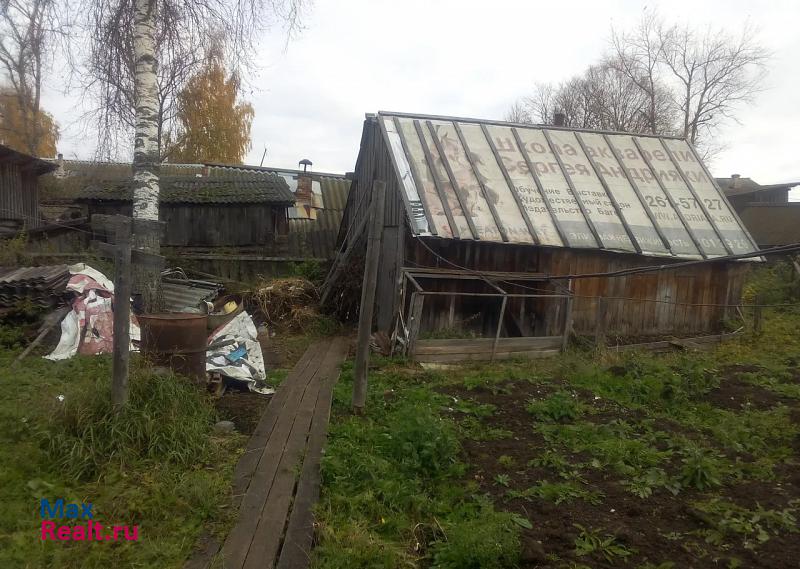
(239, 356)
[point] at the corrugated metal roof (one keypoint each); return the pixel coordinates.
(238, 189)
(43, 286)
(505, 182)
(741, 186)
(40, 166)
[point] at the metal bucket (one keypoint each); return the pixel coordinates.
(176, 340)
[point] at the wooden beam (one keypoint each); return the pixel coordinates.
(368, 296)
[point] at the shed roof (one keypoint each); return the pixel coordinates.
(9, 155)
(519, 183)
(270, 189)
(741, 186)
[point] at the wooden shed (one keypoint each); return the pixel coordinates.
(19, 190)
(207, 212)
(490, 230)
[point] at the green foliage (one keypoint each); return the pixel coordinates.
(651, 479)
(12, 250)
(774, 283)
(311, 270)
(560, 407)
(558, 492)
(593, 542)
(754, 527)
(506, 461)
(489, 541)
(701, 469)
(166, 420)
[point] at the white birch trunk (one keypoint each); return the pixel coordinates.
(145, 152)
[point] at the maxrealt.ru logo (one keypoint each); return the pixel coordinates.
(90, 530)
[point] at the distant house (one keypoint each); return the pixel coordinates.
(743, 191)
(764, 209)
(236, 221)
(19, 190)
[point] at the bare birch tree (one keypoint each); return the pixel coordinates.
(125, 72)
(660, 79)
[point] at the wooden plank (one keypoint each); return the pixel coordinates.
(454, 358)
(238, 543)
(269, 531)
(248, 462)
(485, 344)
(296, 549)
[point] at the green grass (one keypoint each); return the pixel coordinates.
(156, 465)
(398, 490)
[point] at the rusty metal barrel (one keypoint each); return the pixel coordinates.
(177, 341)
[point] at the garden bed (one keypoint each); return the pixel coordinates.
(684, 460)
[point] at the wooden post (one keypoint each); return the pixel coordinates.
(757, 315)
(567, 318)
(414, 322)
(368, 295)
(499, 327)
(600, 323)
(122, 312)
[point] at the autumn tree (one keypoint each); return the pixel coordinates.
(30, 30)
(214, 126)
(17, 124)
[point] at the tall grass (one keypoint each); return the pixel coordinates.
(166, 420)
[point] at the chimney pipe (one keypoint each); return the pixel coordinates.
(305, 163)
(735, 180)
(559, 119)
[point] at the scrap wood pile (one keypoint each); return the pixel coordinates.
(290, 304)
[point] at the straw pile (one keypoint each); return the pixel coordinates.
(288, 304)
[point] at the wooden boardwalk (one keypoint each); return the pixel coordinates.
(277, 479)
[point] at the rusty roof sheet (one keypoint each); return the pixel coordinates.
(533, 184)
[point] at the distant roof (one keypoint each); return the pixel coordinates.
(188, 189)
(505, 182)
(27, 161)
(741, 186)
(773, 224)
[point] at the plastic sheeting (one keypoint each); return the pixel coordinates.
(239, 354)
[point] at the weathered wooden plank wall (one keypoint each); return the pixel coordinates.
(665, 302)
(19, 195)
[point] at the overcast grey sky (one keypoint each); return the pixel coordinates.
(473, 59)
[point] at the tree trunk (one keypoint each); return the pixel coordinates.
(146, 280)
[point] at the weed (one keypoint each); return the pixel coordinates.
(506, 461)
(644, 484)
(591, 542)
(560, 407)
(701, 469)
(558, 492)
(755, 527)
(488, 542)
(502, 480)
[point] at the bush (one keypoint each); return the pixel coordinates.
(166, 420)
(490, 541)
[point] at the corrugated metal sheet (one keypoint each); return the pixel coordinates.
(504, 182)
(179, 294)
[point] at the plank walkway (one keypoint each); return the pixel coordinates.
(275, 527)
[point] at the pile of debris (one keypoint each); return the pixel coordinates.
(289, 304)
(228, 348)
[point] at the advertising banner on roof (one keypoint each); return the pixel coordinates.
(504, 183)
(716, 206)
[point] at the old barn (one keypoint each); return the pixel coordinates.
(491, 229)
(19, 190)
